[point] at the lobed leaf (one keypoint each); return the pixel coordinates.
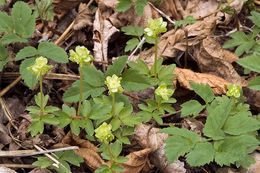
(28, 51)
(117, 67)
(204, 91)
(192, 107)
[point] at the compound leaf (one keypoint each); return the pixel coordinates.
(131, 44)
(28, 51)
(123, 5)
(92, 76)
(27, 76)
(139, 6)
(202, 154)
(133, 30)
(12, 38)
(255, 18)
(6, 22)
(117, 67)
(187, 21)
(192, 107)
(140, 66)
(52, 51)
(255, 84)
(204, 91)
(251, 62)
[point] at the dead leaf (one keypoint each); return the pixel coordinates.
(184, 76)
(84, 17)
(103, 30)
(169, 8)
(214, 60)
(252, 98)
(4, 137)
(193, 124)
(40, 170)
(61, 7)
(6, 170)
(147, 137)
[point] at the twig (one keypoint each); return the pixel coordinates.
(137, 47)
(7, 112)
(167, 115)
(26, 153)
(6, 89)
(18, 166)
(162, 13)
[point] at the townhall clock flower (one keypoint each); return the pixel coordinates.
(40, 67)
(104, 134)
(163, 92)
(81, 56)
(113, 84)
(234, 91)
(155, 27)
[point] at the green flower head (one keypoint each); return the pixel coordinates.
(164, 92)
(113, 84)
(81, 56)
(155, 27)
(234, 91)
(104, 134)
(40, 67)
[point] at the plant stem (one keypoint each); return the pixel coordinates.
(155, 57)
(41, 91)
(110, 154)
(113, 104)
(80, 89)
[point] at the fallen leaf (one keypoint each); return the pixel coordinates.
(212, 59)
(184, 76)
(40, 170)
(84, 17)
(61, 7)
(6, 170)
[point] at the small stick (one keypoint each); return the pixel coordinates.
(6, 89)
(137, 47)
(7, 112)
(18, 166)
(26, 153)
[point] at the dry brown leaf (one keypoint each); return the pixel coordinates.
(147, 137)
(4, 137)
(213, 59)
(138, 162)
(184, 76)
(40, 170)
(193, 124)
(169, 8)
(172, 42)
(103, 30)
(84, 17)
(6, 170)
(61, 7)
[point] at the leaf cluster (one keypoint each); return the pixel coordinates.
(187, 21)
(229, 134)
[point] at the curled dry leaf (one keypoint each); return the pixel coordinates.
(184, 76)
(147, 137)
(213, 59)
(84, 17)
(103, 30)
(169, 9)
(198, 8)
(61, 7)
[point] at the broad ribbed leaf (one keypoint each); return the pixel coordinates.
(255, 84)
(192, 107)
(251, 62)
(12, 38)
(117, 67)
(28, 51)
(29, 78)
(204, 91)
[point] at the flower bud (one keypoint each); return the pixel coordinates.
(234, 91)
(104, 134)
(40, 66)
(81, 56)
(163, 92)
(113, 84)
(155, 27)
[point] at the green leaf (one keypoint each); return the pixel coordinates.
(241, 124)
(216, 120)
(52, 51)
(12, 38)
(204, 91)
(166, 74)
(202, 154)
(99, 111)
(63, 118)
(251, 62)
(168, 108)
(68, 110)
(88, 126)
(131, 44)
(134, 81)
(71, 157)
(3, 52)
(115, 122)
(86, 108)
(27, 76)
(50, 109)
(176, 146)
(121, 159)
(245, 162)
(228, 151)
(127, 118)
(133, 30)
(6, 22)
(37, 99)
(255, 18)
(117, 168)
(43, 162)
(33, 109)
(72, 94)
(116, 148)
(191, 136)
(75, 126)
(36, 127)
(92, 76)
(123, 5)
(49, 119)
(255, 84)
(192, 107)
(157, 118)
(140, 66)
(24, 21)
(117, 67)
(139, 6)
(103, 169)
(187, 21)
(28, 51)
(243, 41)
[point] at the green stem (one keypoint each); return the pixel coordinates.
(113, 104)
(41, 91)
(110, 154)
(80, 89)
(155, 57)
(159, 103)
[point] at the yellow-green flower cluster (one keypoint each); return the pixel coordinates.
(164, 92)
(234, 91)
(155, 27)
(81, 56)
(40, 66)
(113, 84)
(104, 134)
